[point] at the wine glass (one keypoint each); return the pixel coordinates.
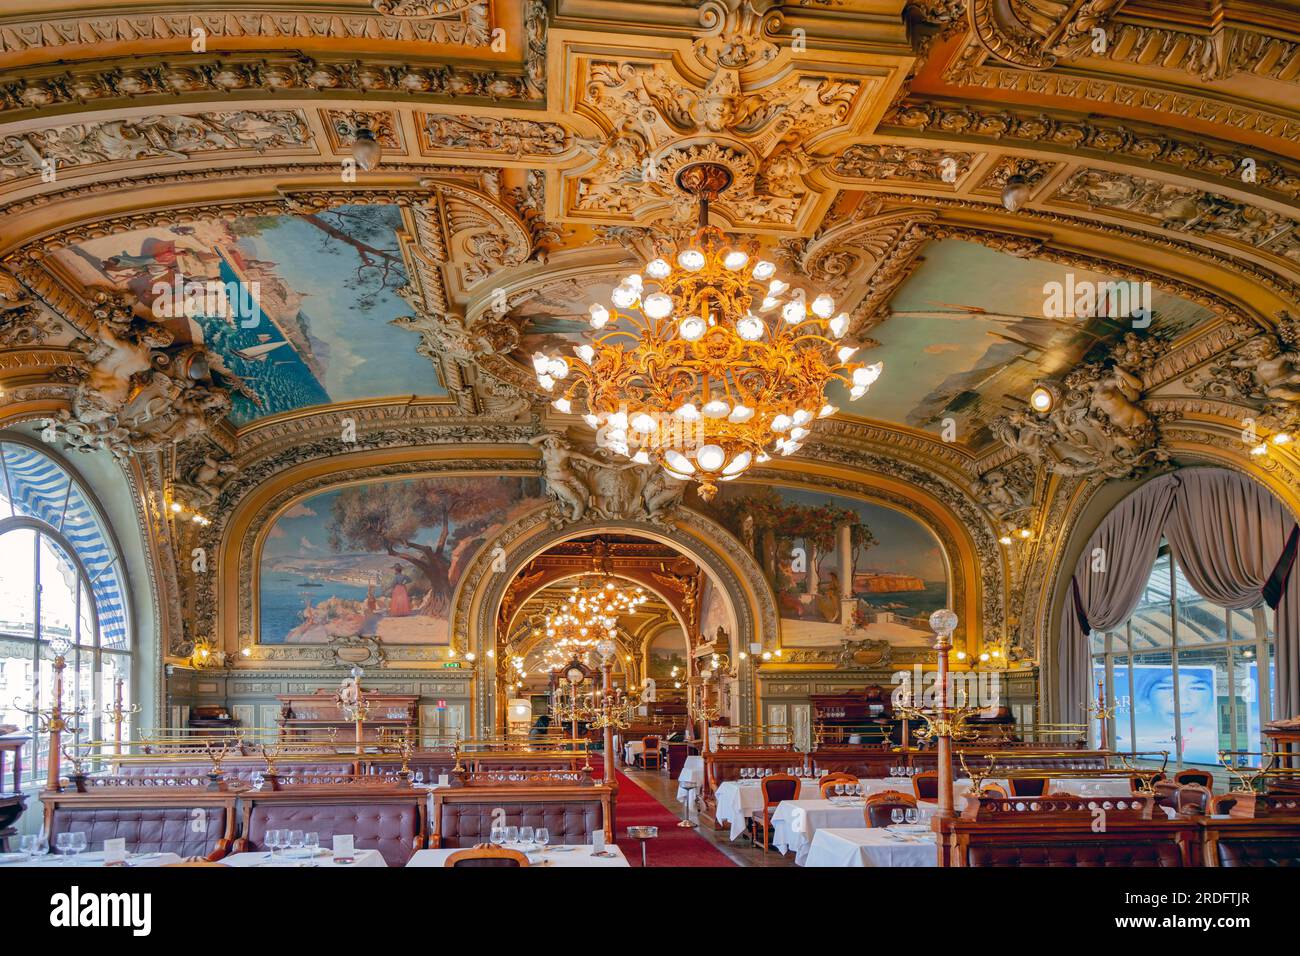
(526, 835)
(296, 840)
(512, 835)
(897, 815)
(912, 815)
(312, 842)
(419, 776)
(78, 845)
(543, 837)
(33, 845)
(498, 835)
(273, 840)
(838, 789)
(63, 844)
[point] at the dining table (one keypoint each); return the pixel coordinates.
(361, 859)
(739, 800)
(559, 855)
(872, 847)
(692, 773)
(94, 859)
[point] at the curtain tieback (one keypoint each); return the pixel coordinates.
(1079, 613)
(1277, 580)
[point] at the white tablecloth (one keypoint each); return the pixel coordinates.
(361, 858)
(832, 846)
(692, 772)
(89, 859)
(738, 800)
(574, 856)
(796, 822)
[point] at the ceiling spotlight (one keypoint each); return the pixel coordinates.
(1015, 193)
(1041, 399)
(1260, 449)
(1024, 533)
(1281, 438)
(1005, 539)
(365, 150)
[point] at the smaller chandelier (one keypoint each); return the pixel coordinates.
(589, 616)
(708, 363)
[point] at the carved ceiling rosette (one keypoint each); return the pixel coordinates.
(770, 131)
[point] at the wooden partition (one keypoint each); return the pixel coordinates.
(463, 816)
(153, 814)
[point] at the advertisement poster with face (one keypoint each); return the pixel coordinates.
(1152, 702)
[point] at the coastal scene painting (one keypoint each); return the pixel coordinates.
(311, 301)
(381, 559)
(898, 569)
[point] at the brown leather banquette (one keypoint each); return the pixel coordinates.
(387, 818)
(463, 816)
(160, 817)
(1245, 842)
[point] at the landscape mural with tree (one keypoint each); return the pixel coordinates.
(381, 559)
(898, 571)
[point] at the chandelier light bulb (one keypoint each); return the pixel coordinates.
(558, 368)
(634, 281)
(541, 363)
(678, 462)
(735, 260)
(692, 260)
(716, 408)
(827, 411)
(769, 303)
(740, 414)
(794, 312)
(658, 269)
(823, 306)
(657, 305)
(857, 391)
(546, 381)
(625, 296)
(782, 423)
(738, 464)
(777, 287)
(643, 424)
(692, 328)
(764, 270)
(798, 434)
(591, 420)
(563, 404)
(802, 417)
(839, 325)
(618, 422)
(750, 328)
(711, 457)
(641, 458)
(585, 352)
(599, 316)
(866, 375)
(791, 447)
(847, 352)
(688, 413)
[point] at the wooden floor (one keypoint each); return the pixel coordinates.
(657, 784)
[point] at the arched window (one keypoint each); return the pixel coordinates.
(61, 579)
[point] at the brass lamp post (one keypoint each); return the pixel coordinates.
(118, 714)
(54, 720)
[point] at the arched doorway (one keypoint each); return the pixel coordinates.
(731, 598)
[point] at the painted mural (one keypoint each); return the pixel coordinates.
(667, 652)
(897, 565)
(298, 307)
(380, 559)
(969, 334)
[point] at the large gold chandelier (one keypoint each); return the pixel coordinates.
(709, 363)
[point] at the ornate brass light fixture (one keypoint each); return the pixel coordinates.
(588, 616)
(709, 363)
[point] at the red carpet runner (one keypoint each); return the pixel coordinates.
(675, 846)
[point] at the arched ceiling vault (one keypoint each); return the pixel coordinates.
(528, 153)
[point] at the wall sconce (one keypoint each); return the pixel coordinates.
(1041, 399)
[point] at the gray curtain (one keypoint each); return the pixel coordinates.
(1108, 580)
(1227, 533)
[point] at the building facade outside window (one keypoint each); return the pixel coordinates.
(61, 579)
(1185, 675)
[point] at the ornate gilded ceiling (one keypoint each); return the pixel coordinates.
(529, 150)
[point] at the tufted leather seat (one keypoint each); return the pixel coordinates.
(1259, 852)
(391, 828)
(1078, 854)
(465, 824)
(185, 831)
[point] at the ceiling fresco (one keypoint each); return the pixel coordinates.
(317, 296)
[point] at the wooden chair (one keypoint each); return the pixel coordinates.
(880, 806)
(1200, 777)
(831, 779)
(1192, 799)
(993, 790)
(485, 854)
(925, 786)
(776, 788)
(650, 752)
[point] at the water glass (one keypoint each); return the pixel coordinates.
(419, 776)
(498, 835)
(912, 815)
(63, 844)
(296, 841)
(512, 835)
(78, 845)
(33, 845)
(274, 838)
(312, 842)
(897, 815)
(543, 837)
(526, 835)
